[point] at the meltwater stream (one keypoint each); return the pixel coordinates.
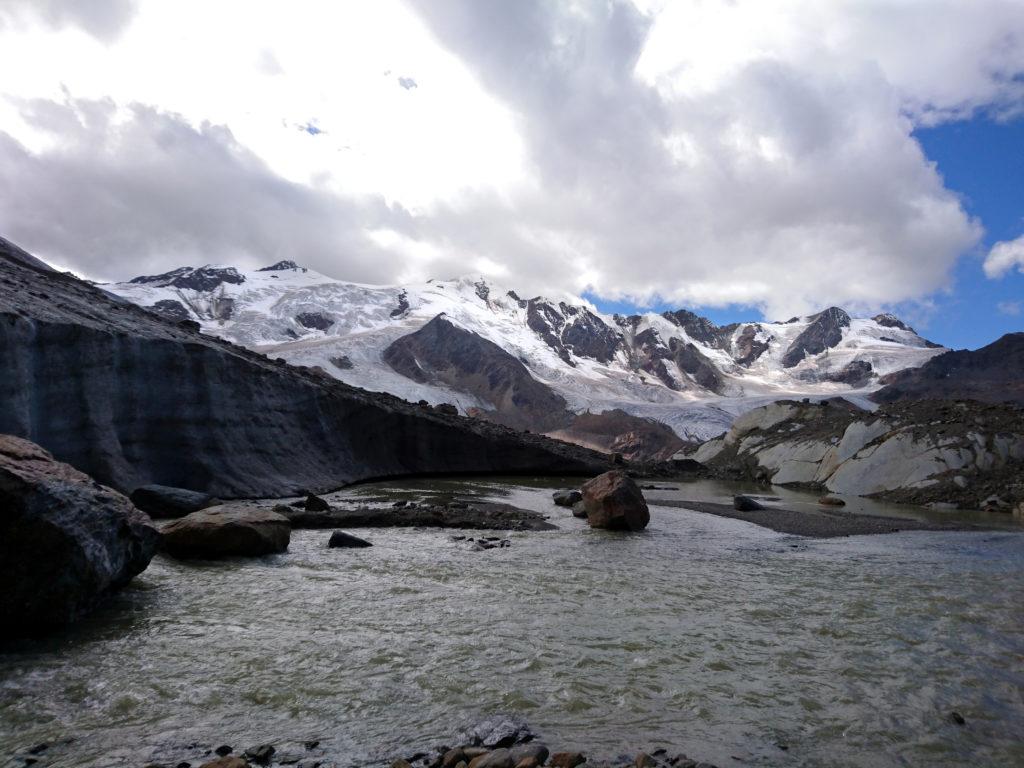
(704, 635)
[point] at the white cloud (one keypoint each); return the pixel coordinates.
(1009, 308)
(1004, 256)
(703, 152)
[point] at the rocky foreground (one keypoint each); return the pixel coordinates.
(133, 399)
(500, 741)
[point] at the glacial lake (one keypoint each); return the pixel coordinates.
(703, 635)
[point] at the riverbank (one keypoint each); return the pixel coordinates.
(818, 523)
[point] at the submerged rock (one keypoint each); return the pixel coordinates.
(614, 501)
(342, 540)
(746, 504)
(227, 531)
(831, 501)
(65, 540)
(566, 498)
(163, 501)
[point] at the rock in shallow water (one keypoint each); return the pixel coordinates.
(65, 540)
(230, 530)
(746, 504)
(566, 498)
(342, 540)
(615, 502)
(163, 501)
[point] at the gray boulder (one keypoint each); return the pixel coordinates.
(163, 501)
(746, 504)
(229, 530)
(567, 498)
(342, 540)
(65, 541)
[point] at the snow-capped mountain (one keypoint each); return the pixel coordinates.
(488, 347)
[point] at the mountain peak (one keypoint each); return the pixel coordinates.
(281, 266)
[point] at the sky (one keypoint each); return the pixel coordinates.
(746, 159)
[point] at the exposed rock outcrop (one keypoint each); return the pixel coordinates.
(171, 310)
(161, 501)
(229, 530)
(615, 502)
(633, 437)
(824, 332)
(65, 541)
(571, 330)
(748, 348)
(132, 400)
(856, 373)
(314, 320)
(442, 353)
(930, 451)
(193, 278)
(994, 373)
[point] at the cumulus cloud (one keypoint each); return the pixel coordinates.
(788, 183)
(1004, 256)
(134, 191)
(701, 153)
(1009, 308)
(103, 19)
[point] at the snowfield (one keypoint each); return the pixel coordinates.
(309, 319)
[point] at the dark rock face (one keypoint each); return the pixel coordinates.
(403, 305)
(281, 266)
(571, 330)
(615, 502)
(161, 501)
(748, 348)
(65, 541)
(824, 332)
(171, 310)
(888, 320)
(342, 363)
(700, 328)
(444, 354)
(134, 400)
(856, 373)
(342, 540)
(230, 530)
(691, 361)
(992, 374)
(193, 278)
(314, 320)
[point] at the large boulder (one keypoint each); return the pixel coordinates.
(614, 501)
(65, 540)
(163, 501)
(229, 530)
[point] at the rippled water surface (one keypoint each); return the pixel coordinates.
(703, 635)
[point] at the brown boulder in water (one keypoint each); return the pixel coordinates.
(65, 540)
(615, 502)
(230, 530)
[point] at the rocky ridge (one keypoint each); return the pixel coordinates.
(676, 367)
